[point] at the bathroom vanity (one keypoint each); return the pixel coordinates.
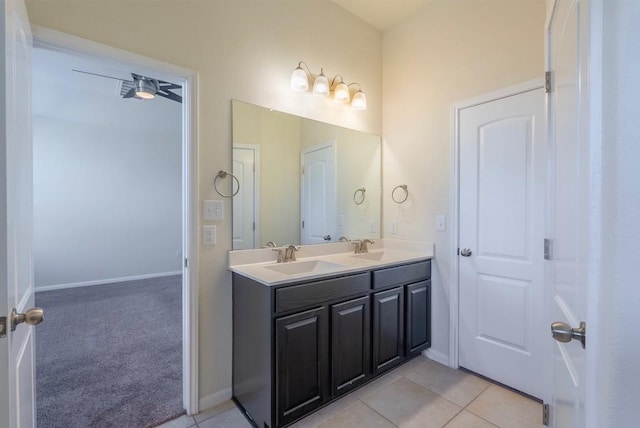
(309, 331)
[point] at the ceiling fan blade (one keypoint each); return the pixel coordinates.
(96, 74)
(170, 95)
(130, 94)
(168, 85)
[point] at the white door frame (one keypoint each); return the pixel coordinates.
(65, 43)
(256, 188)
(528, 86)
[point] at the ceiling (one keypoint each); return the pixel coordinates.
(382, 14)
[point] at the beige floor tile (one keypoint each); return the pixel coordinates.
(317, 418)
(183, 421)
(357, 416)
(454, 385)
(465, 419)
(412, 364)
(381, 382)
(215, 410)
(230, 419)
(407, 404)
(507, 409)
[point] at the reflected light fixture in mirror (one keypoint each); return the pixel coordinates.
(321, 87)
(145, 89)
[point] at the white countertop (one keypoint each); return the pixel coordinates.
(323, 260)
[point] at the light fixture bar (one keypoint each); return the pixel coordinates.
(341, 91)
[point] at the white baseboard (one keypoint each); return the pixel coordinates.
(214, 399)
(105, 281)
(437, 356)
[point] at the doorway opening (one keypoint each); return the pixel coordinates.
(113, 235)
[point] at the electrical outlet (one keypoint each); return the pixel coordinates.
(372, 226)
(209, 235)
(213, 210)
(394, 226)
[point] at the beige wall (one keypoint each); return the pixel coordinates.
(242, 50)
(450, 51)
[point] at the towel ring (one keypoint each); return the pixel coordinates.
(359, 201)
(406, 194)
(223, 174)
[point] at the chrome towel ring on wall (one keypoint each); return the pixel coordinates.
(223, 174)
(358, 196)
(400, 199)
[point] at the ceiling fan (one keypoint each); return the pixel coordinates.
(142, 87)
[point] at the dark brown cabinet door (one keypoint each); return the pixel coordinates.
(388, 329)
(302, 354)
(350, 345)
(418, 317)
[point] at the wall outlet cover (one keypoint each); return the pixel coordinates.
(209, 235)
(441, 222)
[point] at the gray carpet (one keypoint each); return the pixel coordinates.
(110, 355)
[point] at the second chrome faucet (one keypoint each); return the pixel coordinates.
(287, 254)
(361, 246)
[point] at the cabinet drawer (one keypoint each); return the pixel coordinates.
(314, 293)
(402, 274)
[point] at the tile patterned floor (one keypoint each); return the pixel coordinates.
(420, 394)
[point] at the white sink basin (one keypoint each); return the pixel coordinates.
(377, 256)
(310, 266)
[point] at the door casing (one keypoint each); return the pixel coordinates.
(65, 43)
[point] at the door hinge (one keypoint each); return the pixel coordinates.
(547, 82)
(3, 326)
(186, 263)
(253, 167)
(254, 226)
(303, 224)
(458, 252)
(545, 415)
(548, 254)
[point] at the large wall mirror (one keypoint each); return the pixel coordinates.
(302, 181)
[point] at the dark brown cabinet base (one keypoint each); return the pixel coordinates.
(299, 346)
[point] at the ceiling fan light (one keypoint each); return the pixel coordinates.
(145, 89)
(359, 101)
(299, 80)
(321, 85)
(341, 93)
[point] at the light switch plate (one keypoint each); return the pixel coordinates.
(394, 226)
(213, 210)
(209, 235)
(441, 222)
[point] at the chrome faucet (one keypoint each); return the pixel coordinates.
(270, 244)
(343, 239)
(361, 246)
(287, 254)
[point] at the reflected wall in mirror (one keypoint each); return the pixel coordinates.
(302, 181)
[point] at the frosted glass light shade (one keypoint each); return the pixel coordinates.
(341, 93)
(299, 80)
(359, 101)
(321, 85)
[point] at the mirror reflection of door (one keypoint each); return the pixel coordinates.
(246, 234)
(319, 194)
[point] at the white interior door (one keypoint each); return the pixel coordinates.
(501, 292)
(246, 202)
(568, 205)
(319, 194)
(17, 401)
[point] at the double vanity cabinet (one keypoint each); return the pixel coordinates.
(300, 344)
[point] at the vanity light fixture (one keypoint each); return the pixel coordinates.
(321, 87)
